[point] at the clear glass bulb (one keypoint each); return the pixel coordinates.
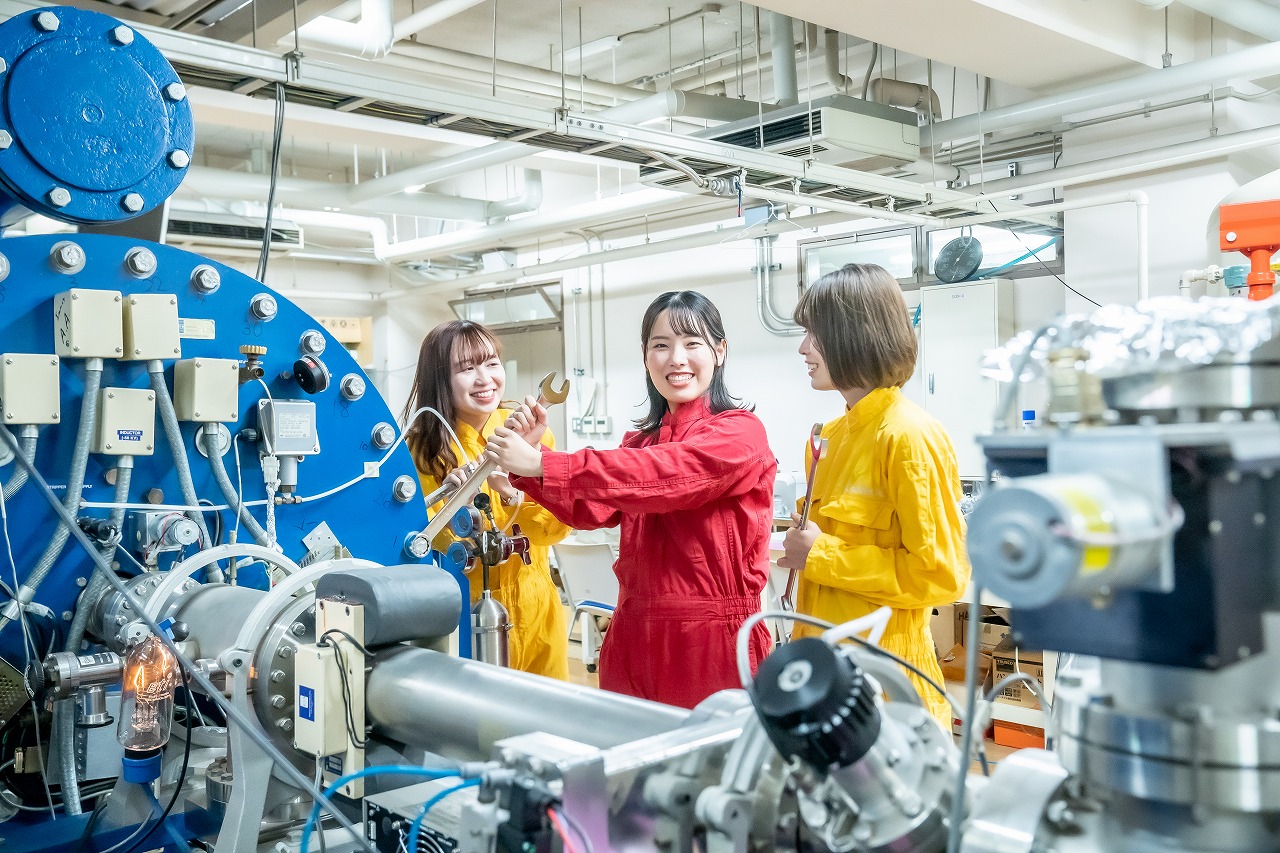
(146, 705)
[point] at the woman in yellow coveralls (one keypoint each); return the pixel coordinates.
(885, 527)
(460, 375)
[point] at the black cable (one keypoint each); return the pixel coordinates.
(276, 144)
(1017, 237)
(348, 714)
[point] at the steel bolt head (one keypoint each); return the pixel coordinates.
(47, 21)
(312, 342)
(141, 262)
(122, 35)
(384, 435)
(4, 66)
(59, 197)
(179, 159)
(68, 257)
(132, 202)
(404, 488)
(277, 701)
(285, 725)
(175, 91)
(298, 629)
(205, 279)
(5, 139)
(419, 547)
(352, 387)
(263, 306)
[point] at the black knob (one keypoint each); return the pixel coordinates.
(816, 704)
(482, 502)
(180, 631)
(311, 374)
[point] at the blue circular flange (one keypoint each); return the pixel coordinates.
(93, 115)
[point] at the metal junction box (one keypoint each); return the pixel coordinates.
(126, 422)
(289, 426)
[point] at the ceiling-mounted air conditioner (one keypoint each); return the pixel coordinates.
(200, 228)
(836, 130)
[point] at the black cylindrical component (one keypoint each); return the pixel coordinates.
(816, 704)
(311, 374)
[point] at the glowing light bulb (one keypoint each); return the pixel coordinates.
(146, 705)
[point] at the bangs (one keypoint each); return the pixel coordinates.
(685, 319)
(473, 346)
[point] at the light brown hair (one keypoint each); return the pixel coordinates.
(860, 325)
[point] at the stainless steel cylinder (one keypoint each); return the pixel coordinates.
(92, 705)
(490, 631)
(461, 708)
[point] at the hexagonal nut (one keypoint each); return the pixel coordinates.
(5, 139)
(175, 91)
(404, 488)
(264, 307)
(59, 197)
(122, 35)
(4, 270)
(67, 257)
(352, 386)
(383, 435)
(418, 546)
(206, 279)
(4, 66)
(132, 202)
(179, 159)
(140, 261)
(47, 21)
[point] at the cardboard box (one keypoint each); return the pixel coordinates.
(942, 626)
(952, 664)
(991, 630)
(1005, 663)
(1018, 736)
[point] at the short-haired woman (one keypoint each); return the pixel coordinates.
(692, 488)
(460, 375)
(884, 527)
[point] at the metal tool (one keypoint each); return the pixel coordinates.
(817, 449)
(548, 394)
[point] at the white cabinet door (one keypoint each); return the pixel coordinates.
(958, 323)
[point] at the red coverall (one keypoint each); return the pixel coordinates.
(695, 502)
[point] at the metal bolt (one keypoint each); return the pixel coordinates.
(264, 307)
(47, 21)
(179, 159)
(285, 652)
(1215, 527)
(66, 615)
(132, 202)
(175, 91)
(404, 488)
(119, 620)
(82, 582)
(1231, 236)
(205, 279)
(285, 725)
(384, 435)
(67, 258)
(277, 676)
(59, 197)
(140, 262)
(1233, 476)
(4, 66)
(352, 386)
(298, 629)
(5, 139)
(277, 701)
(312, 342)
(419, 546)
(122, 35)
(1259, 519)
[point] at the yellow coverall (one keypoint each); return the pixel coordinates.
(887, 499)
(539, 640)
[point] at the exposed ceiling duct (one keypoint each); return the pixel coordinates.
(376, 31)
(1250, 16)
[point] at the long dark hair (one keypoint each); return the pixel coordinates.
(427, 438)
(689, 313)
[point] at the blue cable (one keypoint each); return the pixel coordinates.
(389, 770)
(415, 828)
(1019, 259)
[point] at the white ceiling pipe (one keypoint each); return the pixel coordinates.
(566, 219)
(1250, 62)
(223, 184)
(782, 35)
(669, 104)
(641, 250)
(439, 11)
(1164, 157)
(1251, 16)
(836, 205)
(450, 74)
(529, 199)
(516, 71)
(899, 93)
(376, 31)
(831, 61)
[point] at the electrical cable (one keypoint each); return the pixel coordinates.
(357, 739)
(233, 714)
(561, 830)
(388, 770)
(1041, 261)
(277, 139)
(415, 828)
(578, 830)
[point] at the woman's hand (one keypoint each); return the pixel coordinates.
(529, 421)
(459, 475)
(798, 543)
(501, 484)
(513, 453)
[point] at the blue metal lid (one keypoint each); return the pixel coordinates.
(97, 126)
(142, 770)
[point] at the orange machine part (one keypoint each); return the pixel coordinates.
(1253, 229)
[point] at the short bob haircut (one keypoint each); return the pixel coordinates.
(860, 325)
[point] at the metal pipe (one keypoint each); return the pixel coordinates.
(461, 707)
(29, 436)
(900, 93)
(527, 73)
(223, 479)
(773, 322)
(1251, 16)
(178, 451)
(642, 250)
(783, 37)
(831, 61)
(1258, 61)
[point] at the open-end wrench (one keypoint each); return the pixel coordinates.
(548, 394)
(817, 449)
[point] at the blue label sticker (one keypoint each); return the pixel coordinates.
(333, 764)
(129, 434)
(307, 703)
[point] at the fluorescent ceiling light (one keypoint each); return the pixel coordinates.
(591, 48)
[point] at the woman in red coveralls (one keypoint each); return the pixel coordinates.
(692, 488)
